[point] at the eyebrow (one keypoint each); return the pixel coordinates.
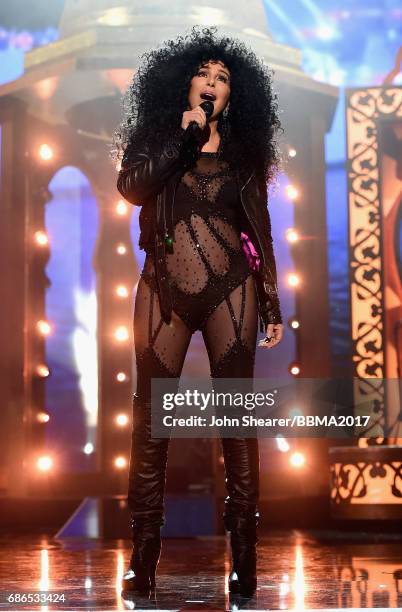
(220, 69)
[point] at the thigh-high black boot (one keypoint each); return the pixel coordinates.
(146, 499)
(160, 351)
(230, 336)
(241, 512)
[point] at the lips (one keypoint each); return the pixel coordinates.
(207, 95)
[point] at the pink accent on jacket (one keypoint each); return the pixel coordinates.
(251, 254)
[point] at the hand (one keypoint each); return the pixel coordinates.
(274, 331)
(196, 114)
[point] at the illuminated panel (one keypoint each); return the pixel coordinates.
(71, 307)
(364, 109)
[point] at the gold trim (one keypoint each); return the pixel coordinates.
(60, 48)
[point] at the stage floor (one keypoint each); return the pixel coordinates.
(297, 570)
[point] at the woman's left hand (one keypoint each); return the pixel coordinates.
(273, 331)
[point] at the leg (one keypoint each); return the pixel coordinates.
(160, 351)
(230, 336)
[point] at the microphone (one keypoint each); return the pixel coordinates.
(193, 128)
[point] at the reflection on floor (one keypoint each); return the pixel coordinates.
(296, 571)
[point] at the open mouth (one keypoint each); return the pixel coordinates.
(208, 96)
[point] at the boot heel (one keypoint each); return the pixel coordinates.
(140, 576)
(234, 586)
(152, 574)
(245, 585)
(136, 582)
(243, 541)
(142, 580)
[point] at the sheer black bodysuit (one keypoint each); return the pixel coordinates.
(213, 290)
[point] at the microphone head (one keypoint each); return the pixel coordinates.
(208, 107)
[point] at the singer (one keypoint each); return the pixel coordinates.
(198, 147)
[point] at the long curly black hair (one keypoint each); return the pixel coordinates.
(158, 95)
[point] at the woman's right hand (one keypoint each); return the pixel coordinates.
(196, 114)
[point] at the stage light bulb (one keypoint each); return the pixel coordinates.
(121, 376)
(122, 420)
(88, 448)
(45, 463)
(292, 152)
(41, 238)
(120, 462)
(297, 459)
(45, 152)
(295, 370)
(42, 370)
(43, 327)
(282, 443)
(295, 324)
(122, 291)
(293, 279)
(121, 208)
(292, 192)
(43, 417)
(121, 333)
(292, 235)
(121, 249)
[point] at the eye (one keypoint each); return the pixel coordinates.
(220, 76)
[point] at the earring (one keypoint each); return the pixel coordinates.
(226, 111)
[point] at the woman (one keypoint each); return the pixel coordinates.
(202, 191)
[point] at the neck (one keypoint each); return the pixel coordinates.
(212, 137)
(213, 126)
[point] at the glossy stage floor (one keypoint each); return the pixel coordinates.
(297, 570)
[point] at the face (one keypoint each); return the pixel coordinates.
(212, 77)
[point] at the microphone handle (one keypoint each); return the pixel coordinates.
(193, 129)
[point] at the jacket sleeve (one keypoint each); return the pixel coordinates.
(270, 308)
(143, 173)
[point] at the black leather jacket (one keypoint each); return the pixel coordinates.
(149, 179)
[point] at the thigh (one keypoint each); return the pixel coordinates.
(230, 333)
(160, 348)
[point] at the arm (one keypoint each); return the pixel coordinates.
(143, 174)
(270, 305)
